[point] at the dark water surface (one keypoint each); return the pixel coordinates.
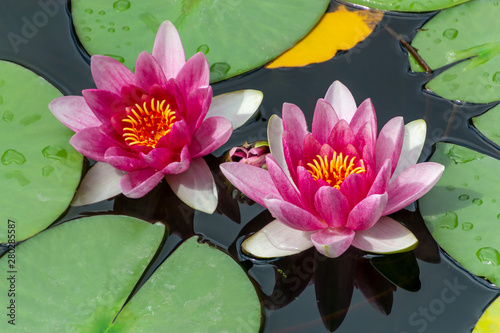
(433, 295)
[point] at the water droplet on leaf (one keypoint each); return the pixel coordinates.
(496, 77)
(47, 170)
(448, 221)
(203, 48)
(450, 34)
(463, 197)
(7, 116)
(477, 201)
(121, 5)
(466, 226)
(488, 256)
(55, 153)
(13, 156)
(218, 70)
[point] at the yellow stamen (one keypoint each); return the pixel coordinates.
(335, 171)
(146, 126)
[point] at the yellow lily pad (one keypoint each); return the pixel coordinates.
(490, 320)
(338, 30)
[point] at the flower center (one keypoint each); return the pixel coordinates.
(149, 123)
(335, 171)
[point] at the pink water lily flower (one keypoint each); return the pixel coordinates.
(334, 187)
(152, 124)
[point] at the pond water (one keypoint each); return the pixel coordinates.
(439, 295)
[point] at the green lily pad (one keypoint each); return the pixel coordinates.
(462, 210)
(39, 169)
(458, 34)
(236, 35)
(408, 5)
(77, 276)
(198, 289)
(490, 320)
(487, 123)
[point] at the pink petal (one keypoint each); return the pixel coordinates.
(381, 181)
(332, 242)
(342, 101)
(103, 103)
(293, 153)
(159, 158)
(311, 148)
(123, 160)
(294, 122)
(277, 240)
(354, 189)
(181, 166)
(194, 74)
(364, 141)
(148, 72)
(197, 104)
(282, 182)
(293, 216)
(367, 212)
(307, 188)
(110, 74)
(178, 138)
(341, 136)
(254, 182)
(101, 182)
(168, 50)
(349, 150)
(411, 184)
(386, 236)
(132, 95)
(365, 114)
(73, 112)
(389, 143)
(332, 205)
(92, 143)
(196, 186)
(212, 134)
(137, 184)
(324, 120)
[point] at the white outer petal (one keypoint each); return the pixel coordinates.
(237, 106)
(386, 236)
(196, 186)
(101, 182)
(413, 142)
(340, 97)
(277, 240)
